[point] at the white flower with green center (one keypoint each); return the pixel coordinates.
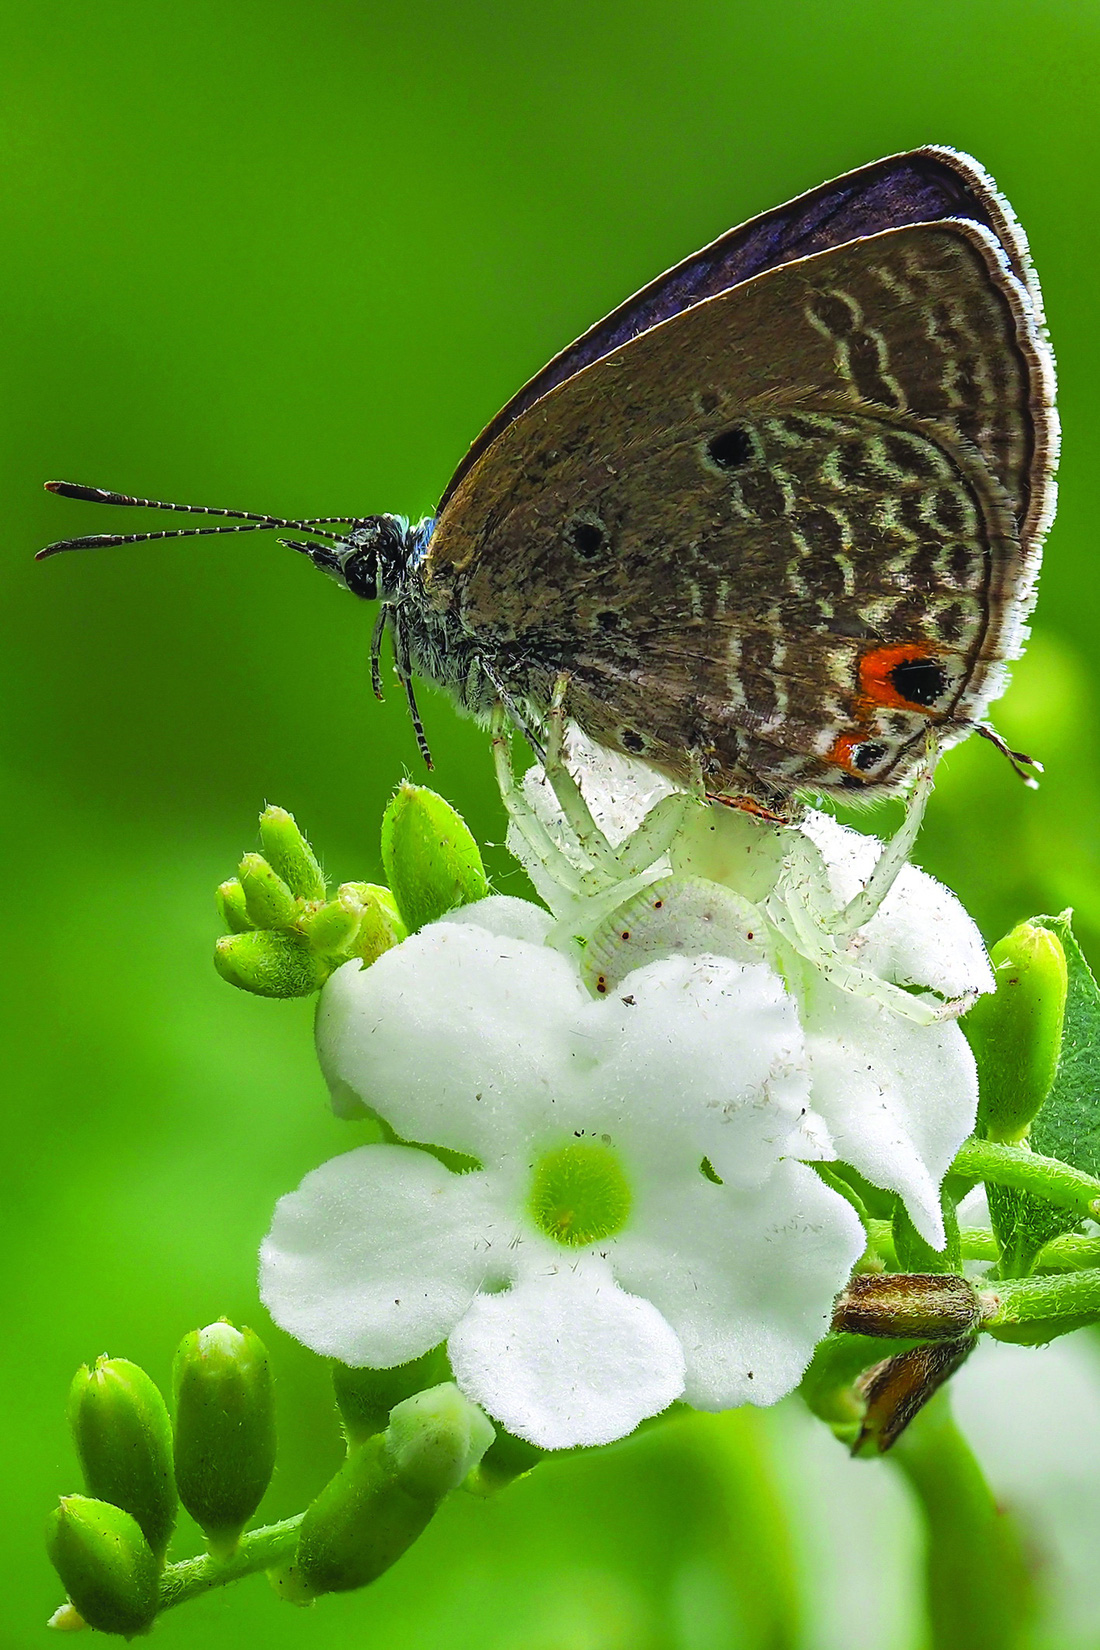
(635, 1083)
(637, 1229)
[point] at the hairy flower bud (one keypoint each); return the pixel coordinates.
(268, 899)
(1016, 1033)
(332, 929)
(388, 1489)
(232, 908)
(380, 925)
(105, 1563)
(281, 964)
(431, 859)
(124, 1440)
(225, 1429)
(290, 855)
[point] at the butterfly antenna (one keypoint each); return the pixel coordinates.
(244, 521)
(1018, 762)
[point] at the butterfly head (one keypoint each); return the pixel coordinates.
(373, 559)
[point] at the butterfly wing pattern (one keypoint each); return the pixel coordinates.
(785, 507)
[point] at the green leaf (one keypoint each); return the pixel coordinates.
(1068, 1123)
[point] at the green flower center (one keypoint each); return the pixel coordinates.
(579, 1193)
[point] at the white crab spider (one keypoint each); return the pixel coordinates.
(604, 891)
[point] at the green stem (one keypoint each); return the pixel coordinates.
(978, 1243)
(976, 1584)
(258, 1550)
(1045, 1176)
(1068, 1253)
(1033, 1311)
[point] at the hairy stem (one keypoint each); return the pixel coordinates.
(1067, 1188)
(258, 1550)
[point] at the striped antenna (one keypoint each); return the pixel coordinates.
(245, 521)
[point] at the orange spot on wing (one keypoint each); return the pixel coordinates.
(840, 752)
(875, 684)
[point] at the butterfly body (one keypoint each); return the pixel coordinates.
(774, 517)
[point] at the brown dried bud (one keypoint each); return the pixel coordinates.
(927, 1306)
(898, 1388)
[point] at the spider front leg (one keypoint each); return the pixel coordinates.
(546, 851)
(895, 854)
(578, 816)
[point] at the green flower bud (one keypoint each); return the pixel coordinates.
(388, 1490)
(290, 855)
(124, 1440)
(365, 1397)
(432, 862)
(506, 1459)
(434, 1438)
(268, 900)
(105, 1564)
(269, 964)
(380, 925)
(332, 929)
(225, 1429)
(1016, 1033)
(232, 908)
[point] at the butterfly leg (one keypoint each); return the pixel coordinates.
(895, 854)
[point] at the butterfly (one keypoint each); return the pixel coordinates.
(769, 522)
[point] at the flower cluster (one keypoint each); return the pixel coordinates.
(600, 1120)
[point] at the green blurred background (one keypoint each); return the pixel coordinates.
(291, 256)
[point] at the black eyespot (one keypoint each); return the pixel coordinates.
(731, 449)
(609, 620)
(920, 681)
(587, 538)
(633, 741)
(866, 756)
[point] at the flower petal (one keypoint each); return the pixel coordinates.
(899, 1098)
(457, 1037)
(703, 1056)
(921, 934)
(746, 1278)
(377, 1255)
(567, 1358)
(507, 917)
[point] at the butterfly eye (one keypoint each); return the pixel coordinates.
(360, 573)
(730, 450)
(633, 741)
(920, 681)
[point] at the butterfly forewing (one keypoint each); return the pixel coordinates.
(730, 526)
(921, 186)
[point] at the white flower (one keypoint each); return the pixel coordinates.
(592, 1269)
(894, 1087)
(636, 1084)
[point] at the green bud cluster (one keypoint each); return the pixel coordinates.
(286, 935)
(412, 1438)
(109, 1545)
